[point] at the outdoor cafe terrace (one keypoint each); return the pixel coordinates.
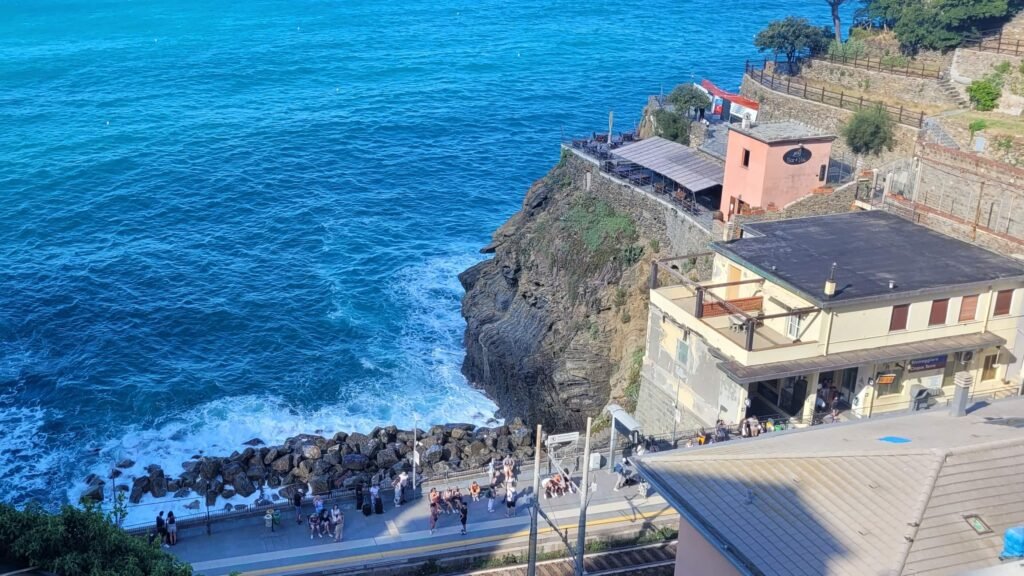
(671, 172)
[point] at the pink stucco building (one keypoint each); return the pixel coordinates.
(772, 164)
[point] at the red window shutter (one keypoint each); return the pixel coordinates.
(939, 309)
(899, 317)
(1003, 299)
(968, 308)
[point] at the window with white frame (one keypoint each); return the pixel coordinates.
(793, 327)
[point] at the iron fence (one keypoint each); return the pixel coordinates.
(786, 85)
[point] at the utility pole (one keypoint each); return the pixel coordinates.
(415, 452)
(581, 532)
(531, 566)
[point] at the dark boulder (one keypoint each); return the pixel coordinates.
(253, 442)
(209, 468)
(282, 464)
(126, 463)
(93, 492)
(386, 458)
(243, 486)
(355, 461)
(320, 484)
(271, 455)
(182, 493)
(139, 487)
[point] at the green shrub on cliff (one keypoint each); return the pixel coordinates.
(870, 131)
(985, 93)
(600, 226)
(672, 126)
(80, 542)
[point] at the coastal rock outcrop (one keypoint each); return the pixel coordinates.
(338, 462)
(555, 321)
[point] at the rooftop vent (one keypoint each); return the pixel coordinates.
(830, 284)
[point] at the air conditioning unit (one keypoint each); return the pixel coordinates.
(966, 357)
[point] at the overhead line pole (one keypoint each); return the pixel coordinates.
(531, 566)
(581, 532)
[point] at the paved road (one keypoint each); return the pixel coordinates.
(246, 545)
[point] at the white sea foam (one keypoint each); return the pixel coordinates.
(425, 386)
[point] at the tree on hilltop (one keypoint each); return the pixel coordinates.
(687, 96)
(835, 5)
(792, 37)
(869, 132)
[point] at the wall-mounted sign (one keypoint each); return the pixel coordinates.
(929, 363)
(796, 156)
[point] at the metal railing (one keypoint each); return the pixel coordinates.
(879, 65)
(786, 85)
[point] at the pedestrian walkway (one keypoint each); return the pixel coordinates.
(248, 546)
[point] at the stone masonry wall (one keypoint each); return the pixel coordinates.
(968, 197)
(827, 201)
(923, 90)
(776, 106)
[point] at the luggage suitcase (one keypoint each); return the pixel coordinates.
(378, 506)
(366, 509)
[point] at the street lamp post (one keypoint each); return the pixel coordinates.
(581, 532)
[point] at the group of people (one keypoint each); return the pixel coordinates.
(448, 501)
(322, 522)
(167, 529)
(559, 484)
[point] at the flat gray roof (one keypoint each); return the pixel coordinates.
(674, 161)
(785, 131)
(869, 249)
(887, 495)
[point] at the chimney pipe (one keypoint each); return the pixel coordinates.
(830, 284)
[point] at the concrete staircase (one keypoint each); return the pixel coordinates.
(949, 90)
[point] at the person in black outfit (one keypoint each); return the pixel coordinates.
(161, 528)
(359, 496)
(463, 511)
(297, 502)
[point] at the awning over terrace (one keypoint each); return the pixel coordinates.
(895, 353)
(673, 161)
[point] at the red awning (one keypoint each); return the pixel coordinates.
(716, 91)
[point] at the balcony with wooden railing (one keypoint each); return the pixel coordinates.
(735, 325)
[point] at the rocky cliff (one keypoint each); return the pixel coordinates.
(556, 320)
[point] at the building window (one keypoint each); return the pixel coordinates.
(793, 327)
(888, 383)
(822, 172)
(988, 371)
(899, 317)
(746, 158)
(682, 352)
(1003, 299)
(968, 308)
(939, 309)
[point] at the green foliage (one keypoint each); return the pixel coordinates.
(935, 24)
(632, 254)
(599, 225)
(620, 297)
(870, 131)
(626, 317)
(791, 37)
(1004, 144)
(1002, 68)
(985, 93)
(850, 49)
(895, 60)
(80, 542)
(687, 96)
(672, 126)
(632, 390)
(655, 245)
(977, 126)
(119, 511)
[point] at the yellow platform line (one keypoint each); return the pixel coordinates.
(419, 550)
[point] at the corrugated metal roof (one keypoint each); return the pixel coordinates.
(835, 500)
(674, 161)
(909, 351)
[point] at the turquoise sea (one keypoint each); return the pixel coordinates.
(226, 220)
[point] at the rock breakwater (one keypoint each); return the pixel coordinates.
(318, 464)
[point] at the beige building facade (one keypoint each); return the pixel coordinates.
(761, 336)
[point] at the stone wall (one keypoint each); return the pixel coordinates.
(776, 106)
(968, 197)
(969, 65)
(822, 202)
(922, 90)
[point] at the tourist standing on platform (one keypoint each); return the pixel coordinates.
(338, 519)
(510, 499)
(463, 512)
(359, 496)
(474, 491)
(172, 529)
(161, 529)
(490, 498)
(297, 502)
(434, 514)
(404, 477)
(318, 506)
(397, 485)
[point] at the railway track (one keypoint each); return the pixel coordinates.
(649, 560)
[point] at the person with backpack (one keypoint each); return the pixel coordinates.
(510, 500)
